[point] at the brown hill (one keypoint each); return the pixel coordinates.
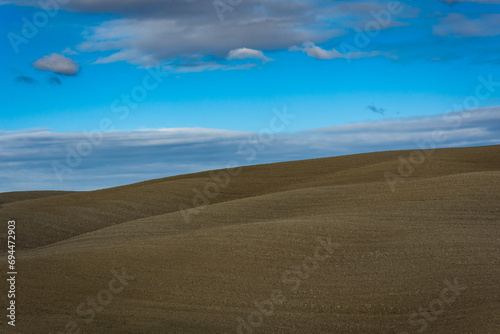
(315, 246)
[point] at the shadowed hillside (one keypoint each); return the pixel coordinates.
(16, 196)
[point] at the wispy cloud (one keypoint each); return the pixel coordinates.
(207, 66)
(69, 51)
(128, 156)
(462, 26)
(376, 110)
(492, 2)
(25, 79)
(53, 80)
(317, 52)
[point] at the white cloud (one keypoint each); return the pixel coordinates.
(152, 32)
(153, 40)
(128, 156)
(317, 52)
(244, 53)
(57, 63)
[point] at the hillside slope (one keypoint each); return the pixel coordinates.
(51, 219)
(317, 246)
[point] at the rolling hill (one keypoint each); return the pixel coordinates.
(386, 242)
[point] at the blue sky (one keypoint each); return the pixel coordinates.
(330, 63)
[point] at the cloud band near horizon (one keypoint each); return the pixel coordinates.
(115, 158)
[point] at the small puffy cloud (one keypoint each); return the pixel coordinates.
(57, 63)
(317, 52)
(26, 80)
(244, 53)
